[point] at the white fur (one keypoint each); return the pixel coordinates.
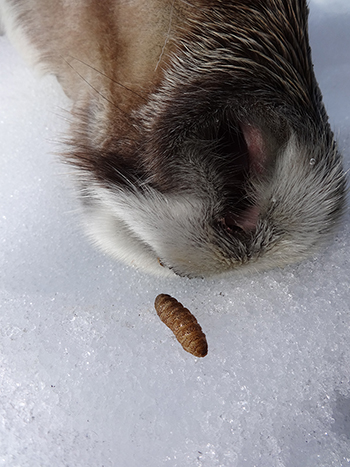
(10, 26)
(144, 230)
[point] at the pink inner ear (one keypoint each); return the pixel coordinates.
(256, 147)
(245, 220)
(249, 219)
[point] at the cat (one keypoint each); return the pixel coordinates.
(199, 139)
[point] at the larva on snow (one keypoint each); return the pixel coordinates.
(183, 324)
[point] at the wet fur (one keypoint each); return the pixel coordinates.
(199, 136)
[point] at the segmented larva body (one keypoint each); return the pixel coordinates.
(183, 324)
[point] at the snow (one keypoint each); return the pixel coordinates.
(91, 377)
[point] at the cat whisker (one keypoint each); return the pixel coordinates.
(108, 77)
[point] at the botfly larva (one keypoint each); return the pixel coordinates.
(183, 324)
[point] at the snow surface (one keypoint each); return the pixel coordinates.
(89, 375)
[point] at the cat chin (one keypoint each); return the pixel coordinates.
(167, 234)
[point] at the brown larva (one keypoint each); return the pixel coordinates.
(183, 324)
